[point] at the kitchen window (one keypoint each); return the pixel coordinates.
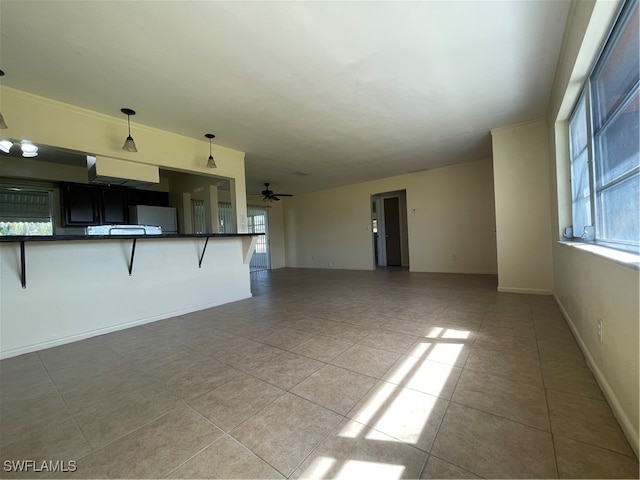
(26, 211)
(604, 142)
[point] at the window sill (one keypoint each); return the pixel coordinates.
(626, 259)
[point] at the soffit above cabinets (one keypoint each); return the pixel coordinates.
(112, 171)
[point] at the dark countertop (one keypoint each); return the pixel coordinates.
(55, 238)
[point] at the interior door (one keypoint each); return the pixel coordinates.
(392, 231)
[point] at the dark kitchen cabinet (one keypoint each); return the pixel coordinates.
(113, 206)
(84, 205)
(79, 205)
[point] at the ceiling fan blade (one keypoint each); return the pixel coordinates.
(273, 197)
(283, 194)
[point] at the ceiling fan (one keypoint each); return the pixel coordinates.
(269, 196)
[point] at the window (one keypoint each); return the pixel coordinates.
(197, 208)
(25, 211)
(604, 147)
(225, 217)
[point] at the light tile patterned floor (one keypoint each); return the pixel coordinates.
(323, 374)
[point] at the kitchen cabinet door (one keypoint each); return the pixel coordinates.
(113, 206)
(80, 205)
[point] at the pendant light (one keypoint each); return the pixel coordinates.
(129, 144)
(211, 163)
(3, 124)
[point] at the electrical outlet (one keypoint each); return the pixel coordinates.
(454, 257)
(329, 264)
(599, 329)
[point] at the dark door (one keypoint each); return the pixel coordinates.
(392, 231)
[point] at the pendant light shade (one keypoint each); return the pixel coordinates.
(3, 124)
(211, 163)
(129, 144)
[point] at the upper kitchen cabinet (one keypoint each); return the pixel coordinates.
(79, 204)
(84, 205)
(113, 205)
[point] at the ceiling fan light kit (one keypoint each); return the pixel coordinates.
(129, 144)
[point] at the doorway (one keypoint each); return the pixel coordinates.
(389, 221)
(258, 222)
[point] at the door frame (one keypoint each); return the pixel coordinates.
(264, 239)
(378, 199)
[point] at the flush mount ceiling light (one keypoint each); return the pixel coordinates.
(129, 144)
(211, 163)
(29, 150)
(3, 124)
(5, 145)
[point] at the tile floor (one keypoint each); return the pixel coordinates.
(323, 374)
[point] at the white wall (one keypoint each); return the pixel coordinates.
(78, 289)
(450, 212)
(588, 286)
(523, 208)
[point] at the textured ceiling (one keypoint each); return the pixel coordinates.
(343, 91)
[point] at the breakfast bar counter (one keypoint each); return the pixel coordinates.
(81, 286)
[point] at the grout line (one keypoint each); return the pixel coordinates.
(632, 456)
(71, 415)
(196, 454)
(546, 398)
(455, 465)
(503, 417)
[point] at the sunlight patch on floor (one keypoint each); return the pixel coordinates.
(320, 467)
(406, 416)
(422, 374)
(438, 352)
(369, 470)
(438, 332)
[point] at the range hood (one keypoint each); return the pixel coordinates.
(111, 171)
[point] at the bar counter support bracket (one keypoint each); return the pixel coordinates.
(23, 266)
(203, 250)
(133, 252)
(248, 246)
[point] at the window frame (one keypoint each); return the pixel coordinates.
(36, 187)
(588, 94)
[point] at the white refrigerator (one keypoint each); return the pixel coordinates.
(164, 217)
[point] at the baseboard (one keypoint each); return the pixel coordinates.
(114, 328)
(630, 430)
(528, 291)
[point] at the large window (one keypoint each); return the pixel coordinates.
(25, 211)
(605, 142)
